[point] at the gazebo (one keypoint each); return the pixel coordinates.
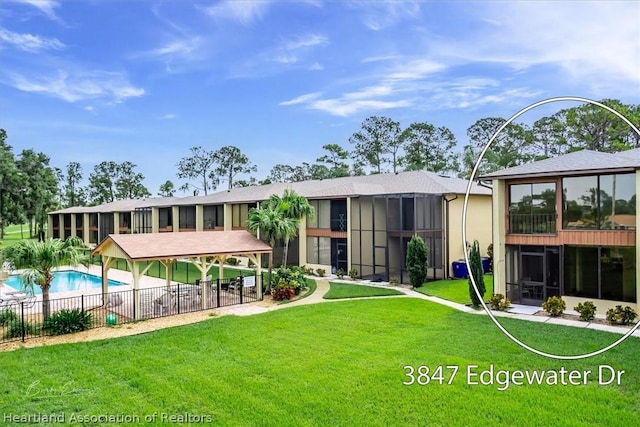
(201, 249)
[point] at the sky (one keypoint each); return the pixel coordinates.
(95, 80)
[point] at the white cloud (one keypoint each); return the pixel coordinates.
(416, 69)
(316, 66)
(302, 99)
(78, 86)
(305, 41)
(343, 107)
(183, 47)
(29, 42)
(169, 116)
(244, 12)
(45, 6)
(379, 15)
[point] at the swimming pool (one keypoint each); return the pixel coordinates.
(64, 281)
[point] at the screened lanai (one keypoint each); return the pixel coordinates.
(203, 250)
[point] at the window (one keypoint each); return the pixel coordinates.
(600, 272)
(604, 202)
(532, 208)
(338, 215)
(319, 250)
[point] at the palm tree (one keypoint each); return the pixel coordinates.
(39, 258)
(272, 225)
(292, 206)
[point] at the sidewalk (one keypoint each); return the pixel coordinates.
(323, 287)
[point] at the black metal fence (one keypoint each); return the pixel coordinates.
(24, 318)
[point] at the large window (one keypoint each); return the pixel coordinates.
(319, 250)
(605, 202)
(532, 208)
(600, 272)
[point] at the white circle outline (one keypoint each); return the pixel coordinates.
(464, 227)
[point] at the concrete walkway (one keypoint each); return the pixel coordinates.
(322, 287)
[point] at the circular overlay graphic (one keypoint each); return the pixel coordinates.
(464, 226)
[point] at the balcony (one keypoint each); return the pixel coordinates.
(532, 223)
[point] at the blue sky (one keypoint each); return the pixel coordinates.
(96, 80)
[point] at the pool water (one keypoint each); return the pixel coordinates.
(63, 281)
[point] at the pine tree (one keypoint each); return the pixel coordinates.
(475, 269)
(417, 261)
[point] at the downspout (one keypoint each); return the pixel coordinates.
(446, 235)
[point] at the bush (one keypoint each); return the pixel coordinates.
(320, 272)
(477, 271)
(14, 329)
(7, 316)
(490, 256)
(621, 316)
(283, 293)
(417, 261)
(394, 280)
(68, 321)
(353, 274)
(307, 270)
(340, 273)
(587, 311)
(232, 261)
(291, 277)
(250, 263)
(555, 306)
(499, 302)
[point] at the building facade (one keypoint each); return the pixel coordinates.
(567, 226)
(361, 223)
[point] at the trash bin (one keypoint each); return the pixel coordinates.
(486, 264)
(460, 269)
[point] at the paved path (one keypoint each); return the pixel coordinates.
(322, 287)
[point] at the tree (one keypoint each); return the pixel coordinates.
(270, 224)
(294, 207)
(231, 162)
(199, 165)
(167, 189)
(417, 261)
(10, 185)
(38, 189)
(335, 159)
(281, 173)
(40, 258)
(378, 137)
(102, 183)
(549, 137)
(72, 192)
(475, 270)
(129, 182)
(429, 148)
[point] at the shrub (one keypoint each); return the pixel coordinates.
(7, 316)
(307, 270)
(250, 263)
(394, 280)
(621, 316)
(320, 272)
(291, 277)
(353, 274)
(499, 302)
(340, 273)
(68, 321)
(417, 261)
(14, 329)
(476, 270)
(555, 306)
(283, 293)
(587, 311)
(232, 261)
(490, 256)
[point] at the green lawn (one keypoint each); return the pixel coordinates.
(347, 290)
(456, 290)
(325, 364)
(13, 234)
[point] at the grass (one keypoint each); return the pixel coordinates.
(12, 234)
(325, 364)
(456, 290)
(347, 290)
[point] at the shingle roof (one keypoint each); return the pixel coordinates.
(184, 245)
(575, 163)
(367, 185)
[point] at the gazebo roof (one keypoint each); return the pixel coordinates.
(155, 246)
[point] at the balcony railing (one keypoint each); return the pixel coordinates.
(532, 223)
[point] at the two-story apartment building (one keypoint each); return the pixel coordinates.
(567, 226)
(361, 222)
